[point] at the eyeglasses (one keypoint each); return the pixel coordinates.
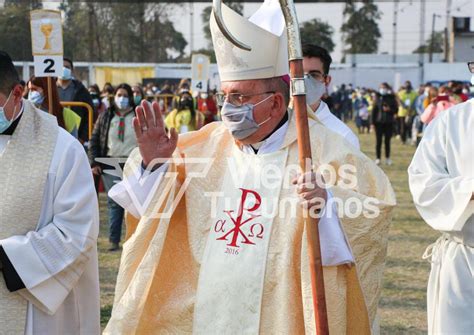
(317, 75)
(236, 99)
(471, 66)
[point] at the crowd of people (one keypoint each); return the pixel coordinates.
(404, 113)
(385, 112)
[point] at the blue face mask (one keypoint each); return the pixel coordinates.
(4, 122)
(36, 97)
(67, 74)
(122, 102)
(137, 99)
(239, 120)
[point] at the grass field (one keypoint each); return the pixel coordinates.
(403, 304)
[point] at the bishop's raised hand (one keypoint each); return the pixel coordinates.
(154, 142)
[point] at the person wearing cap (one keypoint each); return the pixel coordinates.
(49, 221)
(441, 179)
(216, 238)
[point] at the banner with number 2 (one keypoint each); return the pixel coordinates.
(47, 42)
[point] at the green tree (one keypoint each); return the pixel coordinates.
(435, 41)
(120, 32)
(15, 34)
(361, 30)
(317, 32)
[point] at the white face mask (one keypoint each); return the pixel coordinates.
(314, 90)
(239, 119)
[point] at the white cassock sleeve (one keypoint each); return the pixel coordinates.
(51, 260)
(443, 200)
(135, 192)
(335, 248)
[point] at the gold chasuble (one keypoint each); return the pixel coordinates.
(24, 167)
(231, 258)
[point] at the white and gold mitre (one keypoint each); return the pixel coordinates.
(264, 32)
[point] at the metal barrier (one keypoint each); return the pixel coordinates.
(84, 105)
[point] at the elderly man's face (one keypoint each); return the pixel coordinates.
(270, 111)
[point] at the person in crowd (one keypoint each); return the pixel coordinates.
(467, 92)
(49, 221)
(183, 87)
(149, 90)
(337, 102)
(372, 98)
(207, 106)
(361, 108)
(383, 121)
(439, 103)
(441, 180)
(316, 65)
(423, 93)
(138, 94)
(406, 110)
(166, 89)
(458, 93)
(417, 126)
(113, 137)
(327, 99)
(99, 106)
(166, 102)
(71, 89)
(38, 94)
(185, 117)
(107, 95)
(344, 97)
(430, 94)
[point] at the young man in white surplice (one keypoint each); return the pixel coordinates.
(49, 222)
(441, 177)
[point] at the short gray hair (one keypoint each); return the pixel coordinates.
(277, 84)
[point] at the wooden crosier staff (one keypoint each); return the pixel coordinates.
(304, 146)
(50, 95)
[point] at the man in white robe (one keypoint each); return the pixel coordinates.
(316, 64)
(49, 222)
(208, 268)
(441, 177)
